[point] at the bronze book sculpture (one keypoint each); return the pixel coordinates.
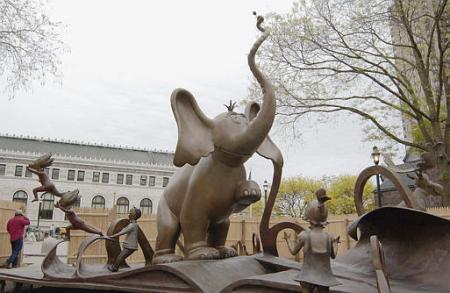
(399, 248)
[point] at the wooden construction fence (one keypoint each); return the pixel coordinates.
(7, 210)
(241, 229)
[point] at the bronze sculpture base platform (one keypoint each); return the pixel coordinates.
(416, 246)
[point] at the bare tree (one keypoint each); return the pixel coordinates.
(30, 45)
(377, 59)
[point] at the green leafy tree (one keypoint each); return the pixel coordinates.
(341, 191)
(30, 45)
(294, 195)
(296, 192)
(385, 61)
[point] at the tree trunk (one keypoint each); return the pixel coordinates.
(444, 180)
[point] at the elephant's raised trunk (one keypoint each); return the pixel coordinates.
(259, 127)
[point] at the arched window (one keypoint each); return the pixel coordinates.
(122, 205)
(98, 202)
(146, 206)
(47, 206)
(20, 196)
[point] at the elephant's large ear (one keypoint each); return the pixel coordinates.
(268, 148)
(194, 129)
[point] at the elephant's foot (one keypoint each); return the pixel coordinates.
(165, 256)
(226, 252)
(203, 252)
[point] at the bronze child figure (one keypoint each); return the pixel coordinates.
(46, 184)
(37, 167)
(318, 247)
(76, 223)
(130, 244)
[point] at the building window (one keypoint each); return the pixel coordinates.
(151, 181)
(96, 177)
(55, 173)
(71, 175)
(98, 202)
(143, 180)
(122, 205)
(129, 180)
(28, 173)
(47, 206)
(20, 197)
(105, 178)
(2, 169)
(47, 171)
(19, 170)
(165, 181)
(119, 178)
(146, 206)
(80, 176)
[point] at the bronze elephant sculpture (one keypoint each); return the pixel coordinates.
(211, 183)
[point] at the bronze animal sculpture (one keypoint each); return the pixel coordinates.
(211, 183)
(424, 186)
(416, 245)
(319, 246)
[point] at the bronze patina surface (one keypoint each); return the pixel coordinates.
(399, 249)
(211, 183)
(318, 247)
(414, 262)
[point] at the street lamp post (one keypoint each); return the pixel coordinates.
(39, 214)
(265, 186)
(376, 160)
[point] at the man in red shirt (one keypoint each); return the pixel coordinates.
(15, 228)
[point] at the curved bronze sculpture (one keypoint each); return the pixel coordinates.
(379, 264)
(212, 181)
(424, 185)
(365, 175)
(113, 247)
(269, 234)
(416, 244)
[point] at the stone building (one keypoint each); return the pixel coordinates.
(105, 175)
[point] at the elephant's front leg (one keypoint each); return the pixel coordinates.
(194, 225)
(217, 235)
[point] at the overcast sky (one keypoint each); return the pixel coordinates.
(125, 59)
